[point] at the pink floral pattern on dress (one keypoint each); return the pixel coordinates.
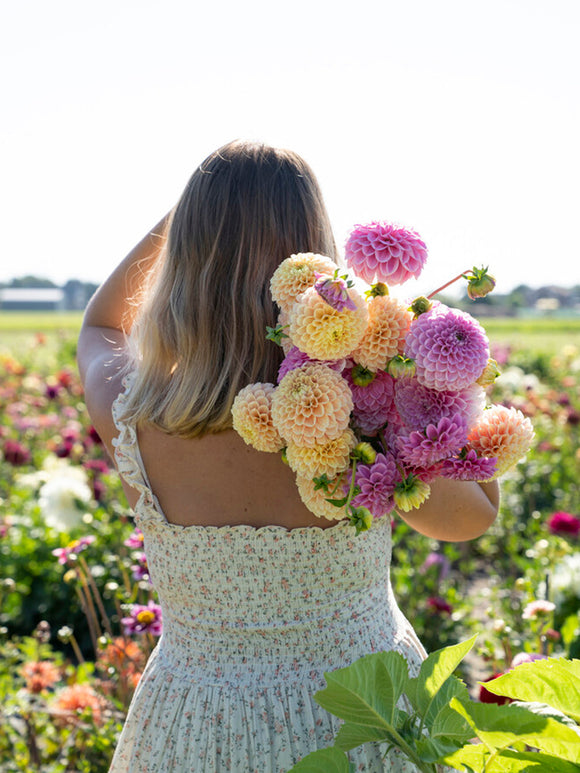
(252, 618)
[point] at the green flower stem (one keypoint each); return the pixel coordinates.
(439, 289)
(351, 490)
(410, 752)
(97, 596)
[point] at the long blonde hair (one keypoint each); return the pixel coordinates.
(199, 335)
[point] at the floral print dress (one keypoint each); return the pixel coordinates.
(252, 618)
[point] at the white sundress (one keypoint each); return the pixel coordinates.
(252, 618)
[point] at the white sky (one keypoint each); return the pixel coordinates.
(460, 119)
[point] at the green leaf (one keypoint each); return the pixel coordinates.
(501, 726)
(351, 735)
(555, 681)
(544, 710)
(570, 629)
(477, 757)
(366, 692)
(330, 760)
(435, 670)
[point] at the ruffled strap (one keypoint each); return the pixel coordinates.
(128, 457)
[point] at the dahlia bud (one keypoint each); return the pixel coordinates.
(411, 493)
(361, 518)
(420, 305)
(479, 283)
(401, 366)
(284, 455)
(380, 288)
(334, 290)
(362, 377)
(490, 373)
(364, 452)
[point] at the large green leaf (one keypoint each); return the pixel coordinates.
(448, 730)
(435, 670)
(501, 726)
(330, 760)
(350, 735)
(555, 681)
(477, 757)
(366, 692)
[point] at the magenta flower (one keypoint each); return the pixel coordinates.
(436, 442)
(386, 253)
(377, 483)
(373, 404)
(143, 619)
(564, 524)
(469, 466)
(439, 561)
(140, 569)
(334, 290)
(449, 347)
(135, 539)
(438, 604)
(418, 405)
(526, 657)
(73, 548)
(15, 453)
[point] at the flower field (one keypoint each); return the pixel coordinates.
(78, 615)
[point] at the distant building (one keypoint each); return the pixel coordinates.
(32, 299)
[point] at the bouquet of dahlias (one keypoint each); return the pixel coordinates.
(376, 397)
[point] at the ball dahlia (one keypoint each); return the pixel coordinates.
(328, 458)
(316, 499)
(377, 483)
(384, 337)
(252, 417)
(385, 252)
(469, 467)
(295, 359)
(504, 434)
(373, 404)
(449, 347)
(418, 405)
(324, 333)
(311, 405)
(296, 274)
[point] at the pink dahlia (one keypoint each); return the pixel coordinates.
(504, 434)
(334, 290)
(538, 608)
(252, 417)
(449, 347)
(564, 524)
(469, 467)
(436, 442)
(143, 619)
(418, 405)
(377, 483)
(384, 252)
(295, 359)
(311, 405)
(384, 337)
(373, 403)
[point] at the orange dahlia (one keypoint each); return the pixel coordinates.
(296, 274)
(311, 405)
(384, 337)
(72, 701)
(40, 675)
(252, 417)
(502, 433)
(328, 458)
(324, 333)
(315, 499)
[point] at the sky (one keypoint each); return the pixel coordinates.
(456, 118)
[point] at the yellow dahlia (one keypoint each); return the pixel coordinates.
(384, 337)
(296, 274)
(311, 405)
(324, 333)
(315, 499)
(328, 458)
(252, 417)
(504, 434)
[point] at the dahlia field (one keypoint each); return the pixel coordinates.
(78, 614)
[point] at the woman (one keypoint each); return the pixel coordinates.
(259, 596)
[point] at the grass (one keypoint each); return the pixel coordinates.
(545, 334)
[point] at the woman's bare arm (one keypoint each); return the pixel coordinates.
(456, 510)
